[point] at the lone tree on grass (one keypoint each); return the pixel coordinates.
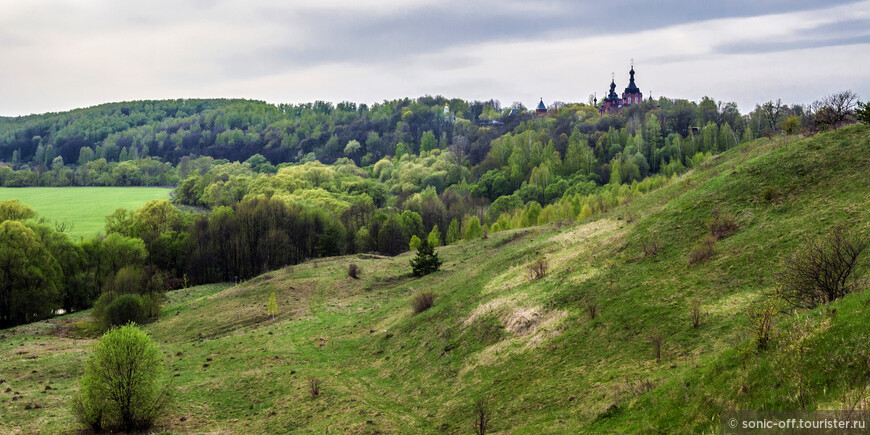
(273, 305)
(120, 389)
(426, 261)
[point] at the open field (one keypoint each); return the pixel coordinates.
(83, 208)
(531, 349)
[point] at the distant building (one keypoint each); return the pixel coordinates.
(542, 108)
(631, 95)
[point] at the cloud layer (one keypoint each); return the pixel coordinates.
(61, 55)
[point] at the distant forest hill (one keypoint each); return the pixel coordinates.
(168, 131)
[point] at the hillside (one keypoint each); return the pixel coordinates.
(529, 347)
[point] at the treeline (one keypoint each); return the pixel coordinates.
(150, 142)
(153, 142)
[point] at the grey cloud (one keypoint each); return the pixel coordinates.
(825, 35)
(360, 37)
(776, 46)
(841, 28)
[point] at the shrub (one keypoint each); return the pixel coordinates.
(353, 270)
(695, 306)
(761, 321)
(863, 112)
(792, 124)
(313, 387)
(791, 361)
(426, 261)
(771, 193)
(125, 309)
(723, 225)
(422, 302)
(657, 340)
(818, 272)
(591, 306)
(537, 270)
(120, 389)
(651, 246)
(482, 416)
(702, 251)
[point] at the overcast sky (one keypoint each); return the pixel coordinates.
(59, 55)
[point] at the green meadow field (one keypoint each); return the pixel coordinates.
(82, 208)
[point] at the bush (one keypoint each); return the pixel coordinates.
(651, 246)
(313, 387)
(702, 251)
(113, 309)
(723, 225)
(353, 270)
(125, 309)
(591, 308)
(537, 270)
(422, 302)
(120, 388)
(657, 340)
(771, 193)
(695, 306)
(817, 273)
(761, 321)
(791, 361)
(482, 416)
(426, 261)
(863, 112)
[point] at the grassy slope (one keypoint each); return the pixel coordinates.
(85, 208)
(530, 347)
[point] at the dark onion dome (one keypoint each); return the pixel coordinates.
(632, 88)
(541, 105)
(612, 95)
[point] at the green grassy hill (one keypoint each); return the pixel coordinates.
(82, 209)
(530, 348)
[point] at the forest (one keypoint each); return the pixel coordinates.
(261, 186)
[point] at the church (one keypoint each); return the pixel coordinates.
(613, 102)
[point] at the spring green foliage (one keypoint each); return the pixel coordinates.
(415, 242)
(30, 281)
(791, 125)
(473, 229)
(453, 232)
(14, 210)
(121, 387)
(434, 237)
(272, 307)
(426, 261)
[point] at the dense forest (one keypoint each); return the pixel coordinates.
(153, 142)
(279, 184)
